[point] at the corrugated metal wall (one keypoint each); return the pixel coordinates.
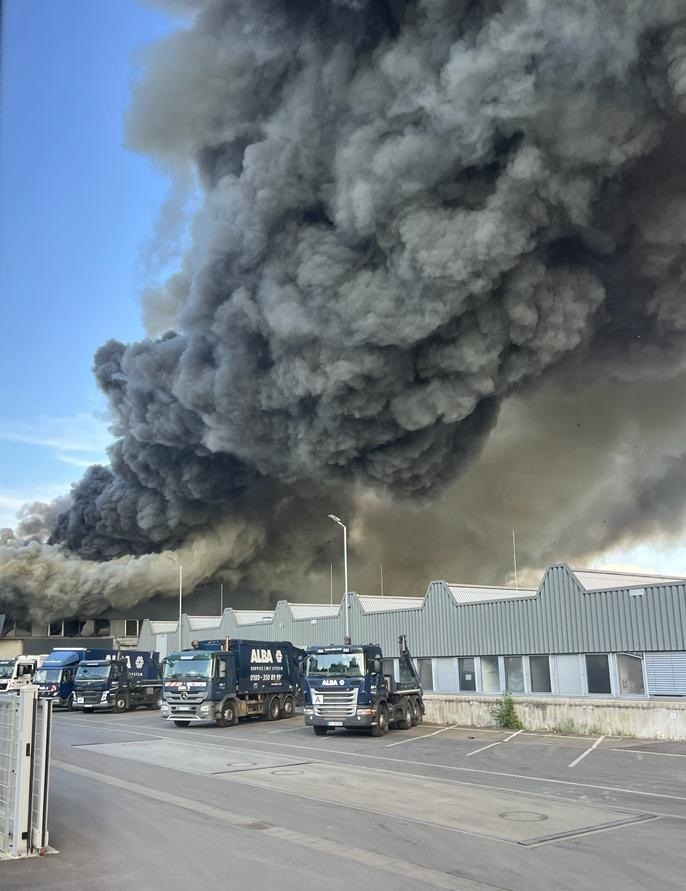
(560, 619)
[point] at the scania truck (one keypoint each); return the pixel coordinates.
(121, 681)
(344, 686)
(223, 681)
(18, 672)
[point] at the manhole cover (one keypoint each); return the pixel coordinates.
(524, 816)
(287, 772)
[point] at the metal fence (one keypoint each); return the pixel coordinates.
(25, 722)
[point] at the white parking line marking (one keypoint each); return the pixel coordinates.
(587, 752)
(641, 752)
(415, 738)
(490, 745)
(251, 740)
(285, 730)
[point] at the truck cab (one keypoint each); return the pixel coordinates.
(120, 681)
(18, 672)
(55, 678)
(344, 686)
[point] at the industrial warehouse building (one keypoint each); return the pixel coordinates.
(581, 633)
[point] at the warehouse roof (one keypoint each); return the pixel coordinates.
(375, 604)
(483, 593)
(607, 580)
(251, 616)
(313, 610)
(196, 622)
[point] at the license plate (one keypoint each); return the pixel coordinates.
(334, 723)
(183, 708)
(79, 699)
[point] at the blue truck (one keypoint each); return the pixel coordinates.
(55, 677)
(344, 686)
(223, 681)
(121, 680)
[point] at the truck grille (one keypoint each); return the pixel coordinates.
(90, 697)
(184, 698)
(335, 703)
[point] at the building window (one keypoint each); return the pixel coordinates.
(630, 671)
(539, 667)
(73, 627)
(102, 627)
(598, 674)
(467, 673)
(131, 628)
(490, 674)
(426, 675)
(514, 674)
(568, 674)
(55, 629)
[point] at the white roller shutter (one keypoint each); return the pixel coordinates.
(666, 674)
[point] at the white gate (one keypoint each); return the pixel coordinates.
(25, 723)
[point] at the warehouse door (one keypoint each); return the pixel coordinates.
(666, 673)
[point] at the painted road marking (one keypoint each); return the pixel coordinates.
(371, 859)
(659, 754)
(415, 738)
(490, 745)
(250, 740)
(587, 752)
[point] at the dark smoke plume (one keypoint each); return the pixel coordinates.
(416, 213)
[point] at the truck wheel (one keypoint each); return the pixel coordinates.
(288, 708)
(320, 731)
(70, 704)
(156, 703)
(407, 719)
(228, 713)
(273, 709)
(416, 713)
(121, 702)
(381, 725)
(182, 723)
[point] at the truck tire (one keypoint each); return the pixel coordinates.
(320, 731)
(407, 719)
(288, 707)
(416, 712)
(273, 708)
(121, 703)
(182, 723)
(227, 716)
(156, 703)
(381, 725)
(70, 703)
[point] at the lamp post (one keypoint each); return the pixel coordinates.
(345, 571)
(180, 565)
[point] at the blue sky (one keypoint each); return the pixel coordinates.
(76, 212)
(76, 209)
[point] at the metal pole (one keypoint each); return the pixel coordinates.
(514, 554)
(221, 600)
(180, 602)
(345, 572)
(381, 570)
(331, 592)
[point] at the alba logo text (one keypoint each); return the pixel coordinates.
(261, 656)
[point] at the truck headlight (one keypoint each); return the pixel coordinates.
(204, 709)
(165, 709)
(308, 711)
(103, 698)
(365, 711)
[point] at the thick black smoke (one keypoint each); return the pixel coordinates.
(411, 211)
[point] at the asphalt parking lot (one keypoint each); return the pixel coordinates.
(135, 799)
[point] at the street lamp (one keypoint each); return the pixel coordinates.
(345, 570)
(180, 565)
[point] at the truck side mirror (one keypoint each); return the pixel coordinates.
(377, 665)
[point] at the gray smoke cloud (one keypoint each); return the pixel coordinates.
(416, 214)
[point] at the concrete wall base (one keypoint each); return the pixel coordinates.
(643, 719)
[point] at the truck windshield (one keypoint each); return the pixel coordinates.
(349, 665)
(47, 676)
(6, 669)
(185, 668)
(93, 672)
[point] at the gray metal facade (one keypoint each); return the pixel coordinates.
(562, 617)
